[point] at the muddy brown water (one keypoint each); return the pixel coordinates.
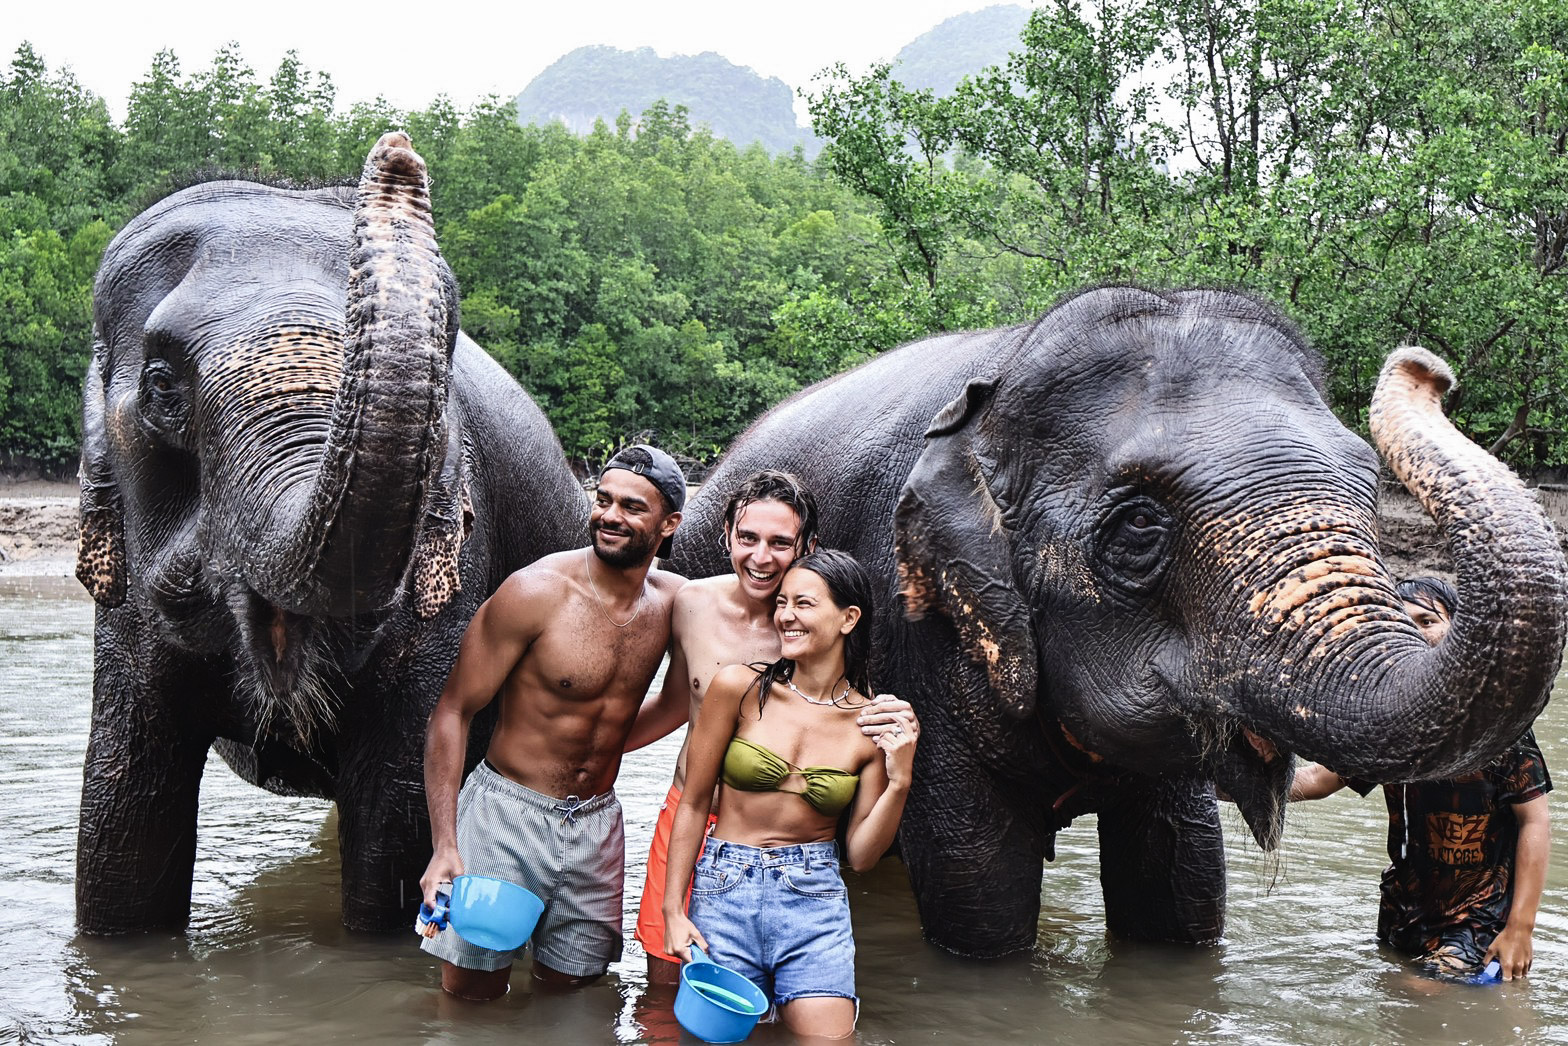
(265, 960)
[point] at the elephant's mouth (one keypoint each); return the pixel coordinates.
(283, 669)
(1248, 767)
(1094, 758)
(1255, 773)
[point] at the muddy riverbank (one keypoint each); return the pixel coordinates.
(38, 527)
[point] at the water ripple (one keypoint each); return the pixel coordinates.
(266, 959)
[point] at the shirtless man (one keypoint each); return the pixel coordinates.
(570, 644)
(718, 621)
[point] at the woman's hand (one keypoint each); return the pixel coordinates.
(890, 722)
(885, 713)
(680, 933)
(879, 802)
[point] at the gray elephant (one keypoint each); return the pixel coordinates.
(1127, 552)
(299, 480)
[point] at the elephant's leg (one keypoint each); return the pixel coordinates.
(383, 824)
(974, 854)
(136, 842)
(1162, 862)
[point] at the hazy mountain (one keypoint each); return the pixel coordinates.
(959, 47)
(598, 82)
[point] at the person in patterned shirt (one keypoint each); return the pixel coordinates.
(1469, 853)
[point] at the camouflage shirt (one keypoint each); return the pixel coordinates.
(1452, 845)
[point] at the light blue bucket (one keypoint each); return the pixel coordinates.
(491, 913)
(715, 1004)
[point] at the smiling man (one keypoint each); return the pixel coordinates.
(768, 522)
(718, 621)
(570, 645)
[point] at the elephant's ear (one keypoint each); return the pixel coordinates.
(956, 414)
(449, 519)
(101, 565)
(954, 557)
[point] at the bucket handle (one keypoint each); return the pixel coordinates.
(436, 915)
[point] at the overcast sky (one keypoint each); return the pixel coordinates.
(411, 52)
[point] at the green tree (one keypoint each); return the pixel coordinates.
(58, 149)
(45, 291)
(1390, 171)
(300, 140)
(163, 132)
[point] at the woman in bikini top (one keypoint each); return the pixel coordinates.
(753, 768)
(784, 745)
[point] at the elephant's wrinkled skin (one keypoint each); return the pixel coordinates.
(299, 481)
(1138, 556)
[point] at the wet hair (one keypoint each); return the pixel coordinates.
(850, 586)
(1431, 592)
(772, 485)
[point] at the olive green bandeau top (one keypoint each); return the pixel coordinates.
(752, 768)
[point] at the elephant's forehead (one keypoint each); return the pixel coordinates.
(1163, 380)
(1235, 445)
(1162, 354)
(1158, 414)
(215, 241)
(236, 223)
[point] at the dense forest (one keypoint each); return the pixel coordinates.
(643, 278)
(1386, 172)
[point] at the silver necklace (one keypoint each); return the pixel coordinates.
(588, 567)
(817, 700)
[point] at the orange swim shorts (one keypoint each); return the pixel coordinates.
(650, 915)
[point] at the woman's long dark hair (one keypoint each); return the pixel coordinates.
(850, 586)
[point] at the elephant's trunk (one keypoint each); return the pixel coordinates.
(337, 540)
(1364, 694)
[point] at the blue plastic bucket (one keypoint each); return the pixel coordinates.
(1491, 974)
(491, 913)
(715, 1004)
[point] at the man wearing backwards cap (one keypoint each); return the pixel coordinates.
(570, 644)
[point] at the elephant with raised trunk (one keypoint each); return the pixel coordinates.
(1128, 554)
(299, 481)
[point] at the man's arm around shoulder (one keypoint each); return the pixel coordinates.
(667, 710)
(1314, 781)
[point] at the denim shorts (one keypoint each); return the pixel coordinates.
(779, 916)
(571, 852)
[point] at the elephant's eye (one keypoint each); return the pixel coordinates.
(165, 407)
(1133, 541)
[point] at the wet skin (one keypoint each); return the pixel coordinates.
(719, 621)
(728, 619)
(569, 646)
(812, 629)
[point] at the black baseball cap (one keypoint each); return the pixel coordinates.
(658, 468)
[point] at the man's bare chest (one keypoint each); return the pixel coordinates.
(584, 656)
(711, 650)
